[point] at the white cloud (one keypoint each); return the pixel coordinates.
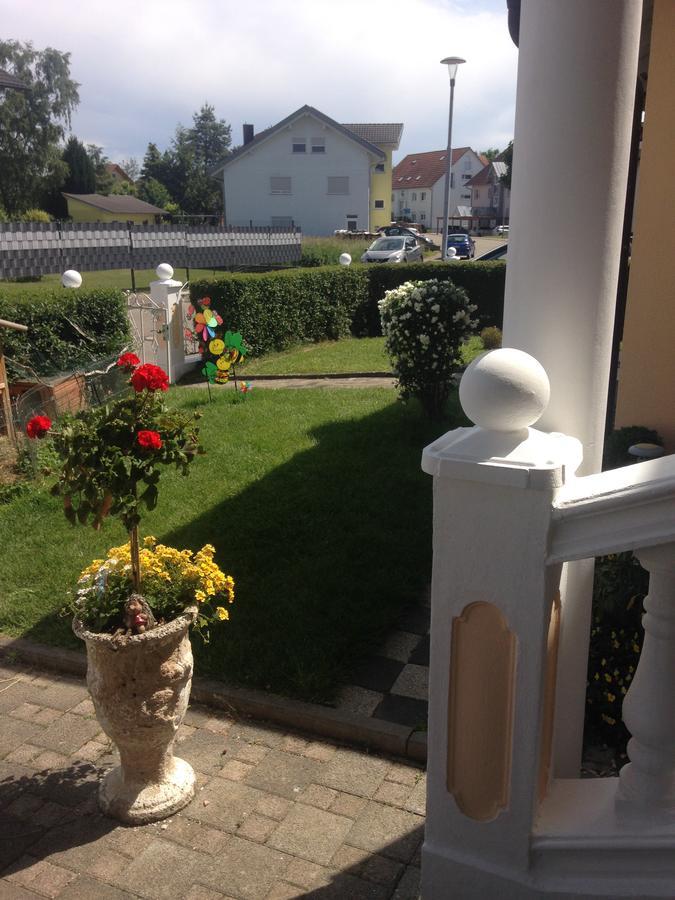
(146, 65)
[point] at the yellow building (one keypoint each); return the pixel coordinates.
(387, 137)
(115, 208)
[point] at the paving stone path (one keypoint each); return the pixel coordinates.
(277, 814)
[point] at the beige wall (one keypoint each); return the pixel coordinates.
(83, 212)
(647, 372)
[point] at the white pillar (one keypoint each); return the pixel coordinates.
(166, 293)
(647, 783)
(576, 85)
(492, 644)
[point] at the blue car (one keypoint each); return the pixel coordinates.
(463, 244)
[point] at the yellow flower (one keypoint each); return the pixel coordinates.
(222, 613)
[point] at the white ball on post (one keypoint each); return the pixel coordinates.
(164, 272)
(71, 279)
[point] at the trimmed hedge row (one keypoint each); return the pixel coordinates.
(67, 329)
(277, 309)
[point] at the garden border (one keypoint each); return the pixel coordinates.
(325, 721)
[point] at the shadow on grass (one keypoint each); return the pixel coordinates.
(326, 548)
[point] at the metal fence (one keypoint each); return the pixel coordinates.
(36, 248)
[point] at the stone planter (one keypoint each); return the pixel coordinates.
(140, 686)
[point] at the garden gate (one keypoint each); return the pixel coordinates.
(149, 327)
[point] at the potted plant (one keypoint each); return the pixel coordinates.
(133, 609)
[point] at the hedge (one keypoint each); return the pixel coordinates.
(277, 309)
(68, 330)
(483, 282)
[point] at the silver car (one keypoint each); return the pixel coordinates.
(393, 250)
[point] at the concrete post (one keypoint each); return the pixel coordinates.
(166, 293)
(576, 85)
(493, 631)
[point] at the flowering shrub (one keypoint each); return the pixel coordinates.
(425, 323)
(111, 458)
(172, 580)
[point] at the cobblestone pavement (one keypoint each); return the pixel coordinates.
(277, 814)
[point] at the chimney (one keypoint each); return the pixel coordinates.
(248, 134)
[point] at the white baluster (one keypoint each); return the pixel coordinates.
(647, 783)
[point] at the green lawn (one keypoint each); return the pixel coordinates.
(317, 506)
(326, 358)
(115, 278)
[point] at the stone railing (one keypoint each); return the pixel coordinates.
(508, 514)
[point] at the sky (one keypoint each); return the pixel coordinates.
(145, 66)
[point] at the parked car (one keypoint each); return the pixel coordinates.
(464, 245)
(498, 253)
(501, 229)
(403, 248)
(398, 230)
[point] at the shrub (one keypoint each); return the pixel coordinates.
(67, 329)
(425, 324)
(484, 283)
(35, 215)
(491, 338)
(278, 309)
(616, 637)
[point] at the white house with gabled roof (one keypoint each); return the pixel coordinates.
(312, 172)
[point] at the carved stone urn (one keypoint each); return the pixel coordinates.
(140, 686)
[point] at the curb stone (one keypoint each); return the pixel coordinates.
(376, 734)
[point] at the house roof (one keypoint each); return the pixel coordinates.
(490, 173)
(383, 133)
(304, 110)
(11, 81)
(116, 203)
(116, 169)
(423, 169)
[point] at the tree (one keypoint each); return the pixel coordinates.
(124, 187)
(184, 168)
(153, 191)
(132, 167)
(507, 157)
(104, 180)
(32, 123)
(81, 178)
(490, 154)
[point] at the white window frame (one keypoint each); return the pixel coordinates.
(318, 145)
(297, 143)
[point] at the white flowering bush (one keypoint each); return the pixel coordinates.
(425, 323)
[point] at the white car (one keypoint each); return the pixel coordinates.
(393, 250)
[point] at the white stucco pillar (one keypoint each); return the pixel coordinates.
(576, 85)
(166, 293)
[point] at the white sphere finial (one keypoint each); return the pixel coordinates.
(71, 279)
(504, 390)
(345, 259)
(164, 272)
(451, 252)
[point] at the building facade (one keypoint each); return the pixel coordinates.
(418, 185)
(310, 171)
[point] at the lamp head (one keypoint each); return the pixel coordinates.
(452, 62)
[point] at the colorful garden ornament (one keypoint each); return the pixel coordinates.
(220, 352)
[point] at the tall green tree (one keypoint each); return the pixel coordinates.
(507, 157)
(490, 154)
(81, 178)
(32, 123)
(104, 180)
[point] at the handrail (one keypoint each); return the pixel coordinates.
(622, 509)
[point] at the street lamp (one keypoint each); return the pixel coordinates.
(452, 62)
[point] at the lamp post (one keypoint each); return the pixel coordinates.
(452, 62)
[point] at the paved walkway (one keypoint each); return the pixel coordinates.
(277, 814)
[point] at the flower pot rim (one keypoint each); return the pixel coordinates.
(168, 629)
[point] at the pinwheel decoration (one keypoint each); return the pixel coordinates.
(220, 352)
(206, 323)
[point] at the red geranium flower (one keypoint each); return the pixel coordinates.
(149, 440)
(38, 426)
(128, 361)
(149, 377)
